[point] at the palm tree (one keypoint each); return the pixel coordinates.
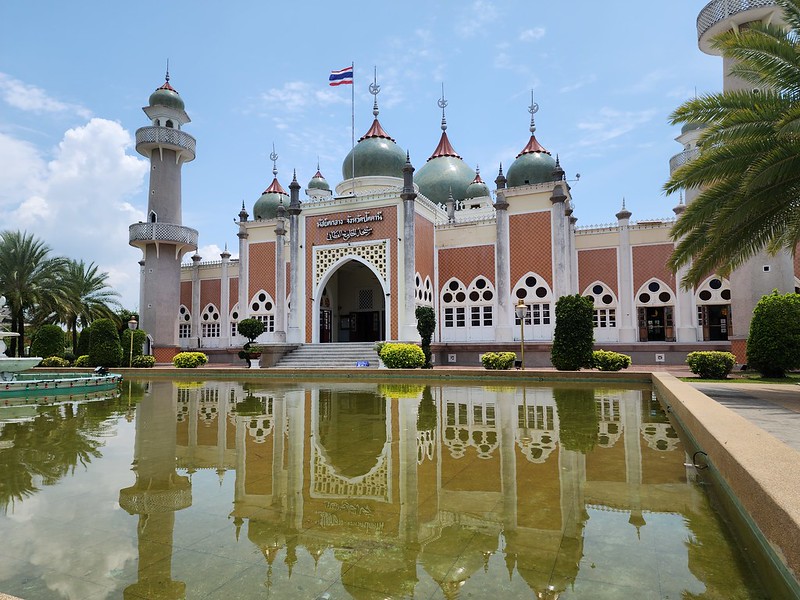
(748, 169)
(86, 297)
(29, 277)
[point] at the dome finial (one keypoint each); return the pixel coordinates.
(375, 89)
(442, 104)
(274, 158)
(533, 109)
(166, 77)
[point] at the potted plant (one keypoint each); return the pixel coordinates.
(251, 329)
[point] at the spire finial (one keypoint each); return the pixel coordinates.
(274, 158)
(375, 89)
(442, 104)
(623, 203)
(680, 201)
(317, 162)
(167, 75)
(533, 109)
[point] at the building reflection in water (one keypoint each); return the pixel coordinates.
(394, 480)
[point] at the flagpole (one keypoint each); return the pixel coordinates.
(353, 125)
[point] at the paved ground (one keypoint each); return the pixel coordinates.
(773, 407)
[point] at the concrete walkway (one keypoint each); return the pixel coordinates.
(775, 408)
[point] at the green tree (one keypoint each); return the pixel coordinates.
(773, 346)
(104, 345)
(29, 277)
(426, 325)
(574, 333)
(748, 170)
(86, 297)
(48, 340)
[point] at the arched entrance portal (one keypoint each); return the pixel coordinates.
(351, 306)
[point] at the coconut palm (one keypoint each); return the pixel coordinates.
(29, 277)
(748, 169)
(86, 297)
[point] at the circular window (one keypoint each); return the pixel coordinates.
(598, 289)
(453, 285)
(480, 284)
(521, 293)
(474, 296)
(447, 297)
(654, 286)
(705, 295)
(417, 280)
(608, 299)
(726, 294)
(235, 315)
(216, 316)
(541, 292)
(530, 281)
(205, 317)
(488, 295)
(591, 298)
(715, 284)
(187, 318)
(268, 306)
(664, 297)
(183, 310)
(644, 298)
(460, 297)
(255, 306)
(262, 296)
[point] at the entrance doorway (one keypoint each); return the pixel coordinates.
(716, 322)
(352, 306)
(656, 324)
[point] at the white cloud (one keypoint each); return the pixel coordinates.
(647, 83)
(578, 84)
(479, 16)
(608, 124)
(78, 203)
(28, 97)
(297, 96)
(531, 35)
(22, 172)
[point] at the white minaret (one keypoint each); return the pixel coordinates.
(162, 239)
(763, 273)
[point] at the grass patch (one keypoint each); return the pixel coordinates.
(748, 377)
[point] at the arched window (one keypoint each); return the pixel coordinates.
(153, 216)
(604, 315)
(169, 124)
(533, 290)
(713, 300)
(423, 291)
(481, 298)
(655, 303)
(184, 323)
(262, 308)
(454, 310)
(234, 320)
(209, 322)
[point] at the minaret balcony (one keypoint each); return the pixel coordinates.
(719, 15)
(165, 138)
(682, 158)
(184, 239)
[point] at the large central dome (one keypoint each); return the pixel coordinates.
(376, 155)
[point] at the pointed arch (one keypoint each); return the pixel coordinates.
(604, 315)
(533, 290)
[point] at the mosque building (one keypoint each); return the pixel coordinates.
(352, 263)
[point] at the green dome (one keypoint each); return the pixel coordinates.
(318, 182)
(437, 177)
(478, 189)
(266, 207)
(167, 96)
(527, 169)
(376, 155)
(692, 126)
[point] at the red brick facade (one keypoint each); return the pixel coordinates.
(651, 261)
(597, 265)
(466, 263)
(531, 246)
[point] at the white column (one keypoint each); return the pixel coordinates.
(627, 312)
(294, 334)
(225, 300)
(196, 308)
(407, 326)
(280, 279)
(561, 262)
(244, 272)
(504, 331)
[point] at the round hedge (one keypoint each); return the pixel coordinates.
(105, 349)
(47, 341)
(402, 356)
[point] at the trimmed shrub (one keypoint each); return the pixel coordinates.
(574, 333)
(711, 365)
(606, 360)
(578, 421)
(139, 338)
(426, 325)
(69, 356)
(250, 328)
(54, 361)
(498, 360)
(400, 390)
(84, 339)
(48, 340)
(378, 347)
(773, 347)
(402, 356)
(144, 361)
(82, 361)
(189, 360)
(104, 347)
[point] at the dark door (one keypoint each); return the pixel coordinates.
(655, 324)
(367, 326)
(718, 319)
(324, 325)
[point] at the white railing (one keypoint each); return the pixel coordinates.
(682, 158)
(718, 10)
(163, 232)
(166, 136)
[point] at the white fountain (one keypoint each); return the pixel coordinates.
(9, 367)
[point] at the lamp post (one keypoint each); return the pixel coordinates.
(133, 325)
(521, 310)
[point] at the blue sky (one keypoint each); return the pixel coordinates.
(74, 76)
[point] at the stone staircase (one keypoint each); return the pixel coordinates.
(330, 356)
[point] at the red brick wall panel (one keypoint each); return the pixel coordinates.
(466, 263)
(651, 261)
(531, 246)
(262, 268)
(597, 265)
(210, 293)
(423, 240)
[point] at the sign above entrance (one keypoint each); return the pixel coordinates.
(354, 232)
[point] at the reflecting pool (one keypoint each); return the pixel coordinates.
(357, 490)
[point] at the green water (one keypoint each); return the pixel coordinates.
(228, 490)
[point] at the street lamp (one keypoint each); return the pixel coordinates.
(133, 325)
(521, 311)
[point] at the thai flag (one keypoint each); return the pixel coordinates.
(342, 77)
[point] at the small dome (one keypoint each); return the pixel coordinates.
(318, 182)
(533, 165)
(167, 96)
(376, 154)
(266, 207)
(692, 126)
(477, 189)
